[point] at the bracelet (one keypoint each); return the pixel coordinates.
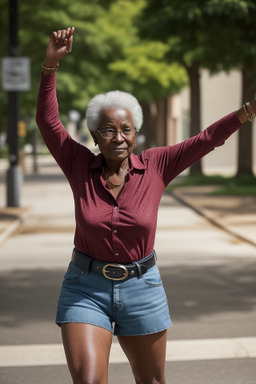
(49, 69)
(249, 111)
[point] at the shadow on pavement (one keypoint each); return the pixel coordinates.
(28, 296)
(204, 290)
(192, 291)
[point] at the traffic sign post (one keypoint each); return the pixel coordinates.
(15, 78)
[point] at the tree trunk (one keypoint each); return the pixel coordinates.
(149, 128)
(161, 134)
(245, 143)
(195, 109)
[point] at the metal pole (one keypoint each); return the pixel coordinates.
(14, 174)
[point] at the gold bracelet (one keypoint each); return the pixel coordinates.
(249, 111)
(54, 69)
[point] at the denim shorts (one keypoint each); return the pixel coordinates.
(136, 306)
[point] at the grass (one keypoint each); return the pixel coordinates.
(233, 186)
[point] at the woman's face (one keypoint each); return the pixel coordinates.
(118, 148)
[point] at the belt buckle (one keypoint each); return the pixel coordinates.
(125, 271)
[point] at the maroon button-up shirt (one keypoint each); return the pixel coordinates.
(121, 230)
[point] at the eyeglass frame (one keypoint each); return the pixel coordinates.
(116, 132)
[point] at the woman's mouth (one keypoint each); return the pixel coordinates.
(119, 149)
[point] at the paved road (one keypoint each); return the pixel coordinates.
(209, 277)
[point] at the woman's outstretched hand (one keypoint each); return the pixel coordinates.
(59, 46)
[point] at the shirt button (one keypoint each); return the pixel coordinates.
(116, 254)
(116, 207)
(115, 231)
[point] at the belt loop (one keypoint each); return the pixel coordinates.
(89, 261)
(86, 260)
(138, 267)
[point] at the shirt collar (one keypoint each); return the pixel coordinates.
(134, 161)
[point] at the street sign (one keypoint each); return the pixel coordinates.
(16, 74)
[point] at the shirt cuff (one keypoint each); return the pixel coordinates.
(231, 122)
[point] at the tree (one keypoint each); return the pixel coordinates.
(107, 53)
(143, 65)
(236, 31)
(78, 71)
(213, 34)
(179, 25)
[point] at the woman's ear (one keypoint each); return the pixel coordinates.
(94, 138)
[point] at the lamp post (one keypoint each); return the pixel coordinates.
(14, 174)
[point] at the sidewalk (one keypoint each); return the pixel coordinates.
(235, 215)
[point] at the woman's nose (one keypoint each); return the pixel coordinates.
(118, 136)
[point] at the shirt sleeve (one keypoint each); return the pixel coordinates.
(59, 142)
(170, 161)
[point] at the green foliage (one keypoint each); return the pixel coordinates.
(219, 34)
(212, 34)
(110, 53)
(140, 66)
(34, 36)
(235, 186)
(148, 71)
(107, 52)
(179, 24)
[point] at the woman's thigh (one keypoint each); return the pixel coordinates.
(146, 355)
(87, 349)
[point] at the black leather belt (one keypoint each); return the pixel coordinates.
(113, 271)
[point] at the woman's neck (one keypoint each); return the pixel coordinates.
(117, 168)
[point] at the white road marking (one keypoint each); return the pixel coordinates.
(180, 350)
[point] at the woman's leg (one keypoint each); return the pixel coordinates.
(87, 350)
(146, 355)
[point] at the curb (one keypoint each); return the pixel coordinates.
(202, 212)
(13, 226)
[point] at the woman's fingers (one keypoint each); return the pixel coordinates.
(60, 44)
(70, 32)
(63, 35)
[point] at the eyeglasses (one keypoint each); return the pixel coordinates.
(109, 134)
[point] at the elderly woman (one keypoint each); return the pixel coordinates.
(112, 284)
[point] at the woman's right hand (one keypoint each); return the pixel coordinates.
(59, 46)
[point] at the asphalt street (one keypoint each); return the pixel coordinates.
(209, 277)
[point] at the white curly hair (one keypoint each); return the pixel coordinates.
(109, 100)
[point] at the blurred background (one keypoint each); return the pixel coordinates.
(188, 63)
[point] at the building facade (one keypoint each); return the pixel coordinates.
(220, 95)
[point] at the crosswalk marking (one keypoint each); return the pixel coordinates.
(180, 350)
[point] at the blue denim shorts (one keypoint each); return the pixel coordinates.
(136, 306)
